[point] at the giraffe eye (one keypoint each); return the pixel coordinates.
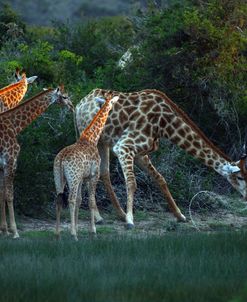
(240, 178)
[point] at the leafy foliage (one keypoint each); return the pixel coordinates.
(194, 51)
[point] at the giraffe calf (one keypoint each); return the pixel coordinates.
(80, 163)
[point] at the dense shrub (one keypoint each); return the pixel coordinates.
(195, 52)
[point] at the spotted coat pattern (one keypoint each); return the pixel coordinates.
(77, 164)
(133, 130)
(11, 95)
(11, 123)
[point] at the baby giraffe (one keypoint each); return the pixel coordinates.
(80, 163)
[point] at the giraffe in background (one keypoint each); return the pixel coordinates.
(11, 95)
(12, 122)
(133, 130)
(80, 163)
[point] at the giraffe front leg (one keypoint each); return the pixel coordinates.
(145, 164)
(126, 159)
(9, 200)
(105, 176)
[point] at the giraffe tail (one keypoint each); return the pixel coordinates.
(75, 126)
(62, 196)
(62, 200)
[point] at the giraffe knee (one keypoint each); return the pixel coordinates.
(131, 184)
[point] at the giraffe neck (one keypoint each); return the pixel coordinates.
(187, 136)
(22, 115)
(200, 149)
(94, 129)
(12, 94)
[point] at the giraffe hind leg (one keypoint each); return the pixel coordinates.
(105, 176)
(4, 226)
(145, 164)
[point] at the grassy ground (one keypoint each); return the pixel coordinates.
(171, 267)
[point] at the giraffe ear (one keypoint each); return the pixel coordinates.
(17, 74)
(114, 99)
(58, 90)
(230, 169)
(100, 101)
(31, 79)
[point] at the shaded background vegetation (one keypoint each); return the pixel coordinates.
(194, 51)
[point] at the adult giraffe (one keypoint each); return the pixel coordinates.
(135, 125)
(12, 122)
(11, 95)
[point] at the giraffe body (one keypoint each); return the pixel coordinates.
(11, 123)
(11, 95)
(133, 130)
(80, 163)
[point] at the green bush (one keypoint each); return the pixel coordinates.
(194, 51)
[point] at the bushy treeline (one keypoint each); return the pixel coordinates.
(195, 52)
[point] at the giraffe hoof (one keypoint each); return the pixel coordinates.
(129, 226)
(101, 221)
(93, 234)
(181, 218)
(16, 236)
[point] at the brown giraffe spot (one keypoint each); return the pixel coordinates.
(134, 115)
(115, 122)
(197, 144)
(163, 122)
(147, 130)
(175, 139)
(145, 107)
(156, 108)
(185, 145)
(169, 130)
(210, 162)
(181, 132)
(133, 97)
(176, 123)
(140, 121)
(193, 151)
(202, 155)
(122, 117)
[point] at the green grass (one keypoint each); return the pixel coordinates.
(189, 267)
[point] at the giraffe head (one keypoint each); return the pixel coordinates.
(111, 100)
(107, 99)
(19, 77)
(61, 98)
(236, 174)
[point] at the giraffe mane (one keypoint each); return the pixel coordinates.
(26, 102)
(186, 119)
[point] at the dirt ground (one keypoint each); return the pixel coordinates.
(219, 218)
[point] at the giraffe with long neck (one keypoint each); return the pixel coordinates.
(12, 122)
(11, 95)
(133, 130)
(80, 163)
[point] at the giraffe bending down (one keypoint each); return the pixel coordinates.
(12, 122)
(133, 130)
(11, 95)
(80, 163)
